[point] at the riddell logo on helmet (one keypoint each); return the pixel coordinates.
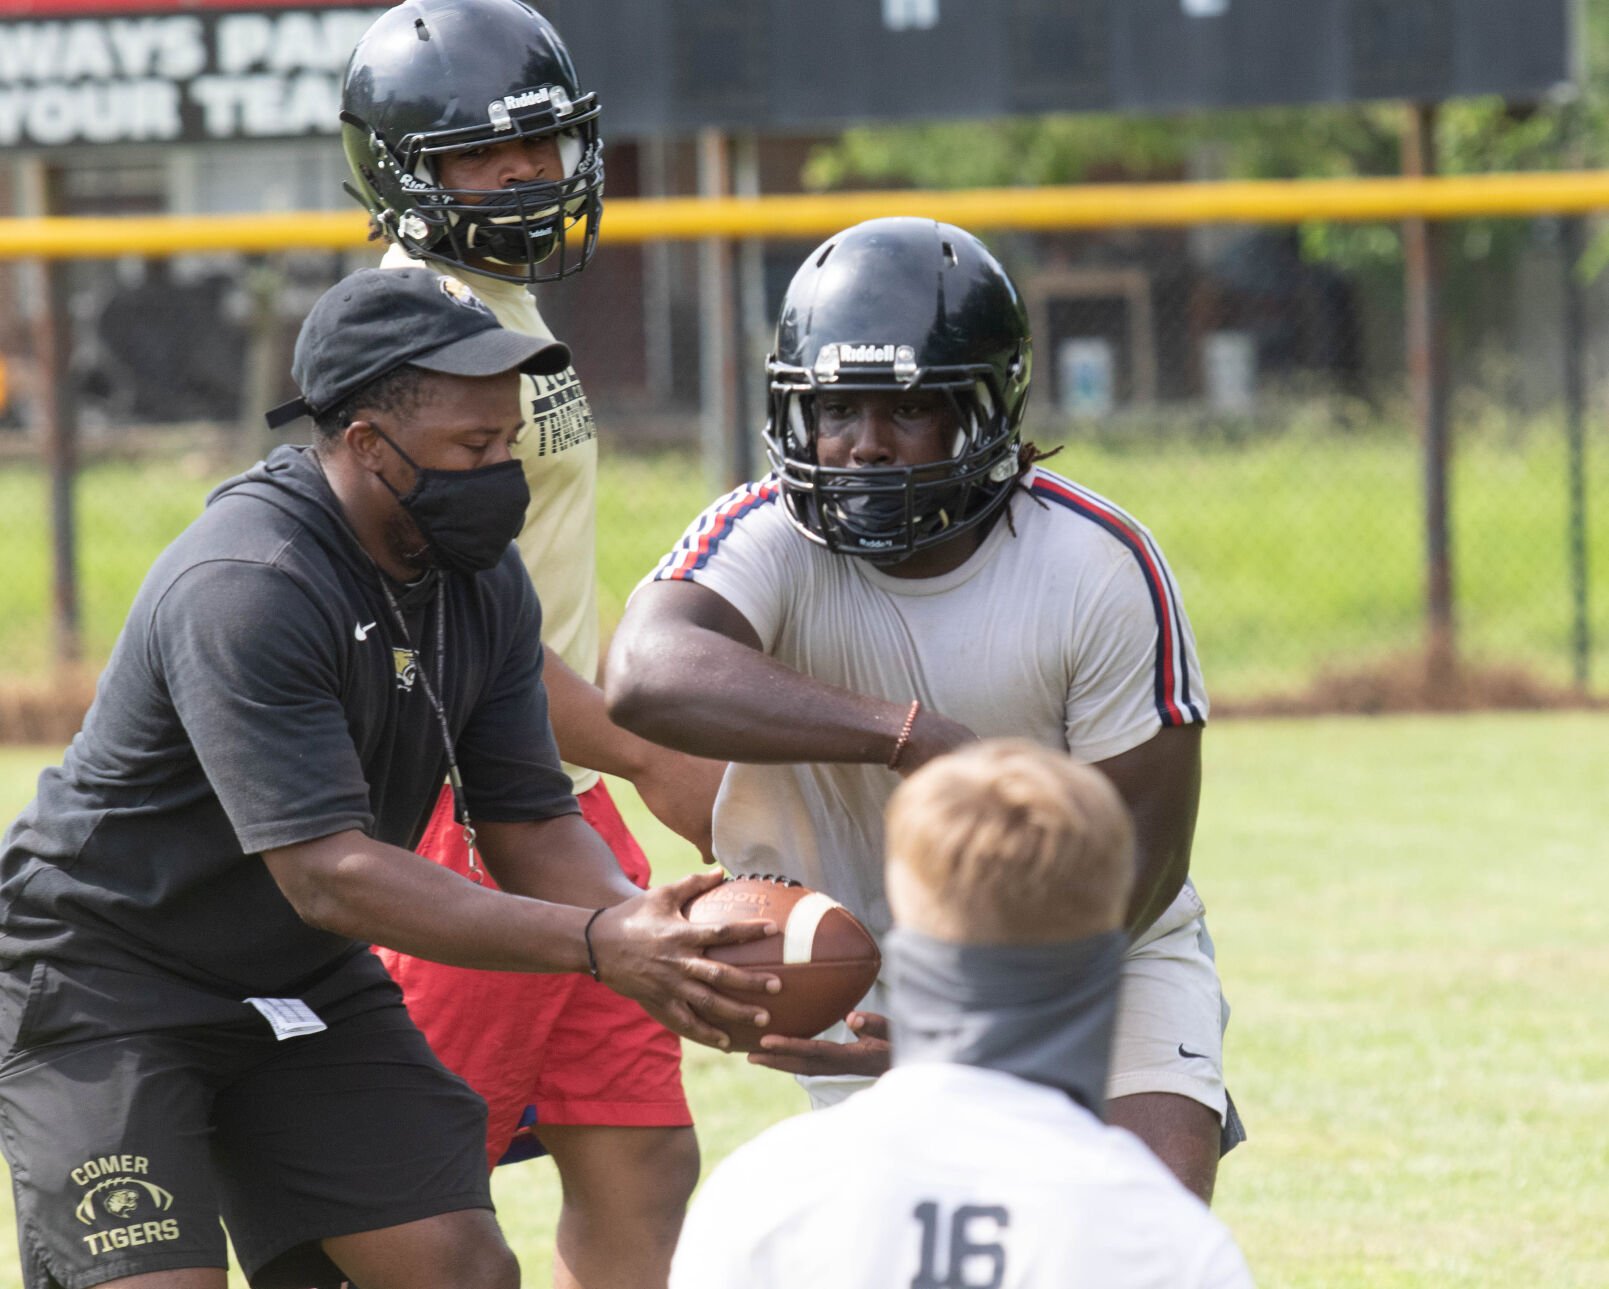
(830, 358)
(500, 112)
(865, 353)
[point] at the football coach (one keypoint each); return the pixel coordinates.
(192, 1026)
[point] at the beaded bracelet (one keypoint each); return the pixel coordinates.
(904, 739)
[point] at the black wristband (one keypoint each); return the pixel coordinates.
(586, 935)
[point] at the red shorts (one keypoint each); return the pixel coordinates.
(574, 1048)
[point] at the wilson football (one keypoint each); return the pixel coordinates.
(824, 957)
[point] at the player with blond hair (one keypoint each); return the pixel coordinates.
(1002, 844)
(979, 1161)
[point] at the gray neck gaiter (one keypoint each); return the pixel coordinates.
(1043, 1012)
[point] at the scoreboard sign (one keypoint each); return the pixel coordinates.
(145, 75)
(804, 65)
(157, 71)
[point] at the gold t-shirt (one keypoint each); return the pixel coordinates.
(559, 449)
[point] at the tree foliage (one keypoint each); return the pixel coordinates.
(1473, 136)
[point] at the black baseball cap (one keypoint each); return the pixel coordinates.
(377, 320)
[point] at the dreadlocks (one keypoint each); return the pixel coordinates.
(1028, 456)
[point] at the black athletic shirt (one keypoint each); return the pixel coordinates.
(260, 695)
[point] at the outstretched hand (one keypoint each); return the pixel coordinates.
(869, 1055)
(647, 950)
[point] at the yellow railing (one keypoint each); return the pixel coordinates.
(815, 215)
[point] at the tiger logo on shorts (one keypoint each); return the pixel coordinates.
(121, 1197)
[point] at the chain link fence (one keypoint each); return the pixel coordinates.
(1244, 391)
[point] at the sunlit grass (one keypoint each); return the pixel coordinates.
(1412, 919)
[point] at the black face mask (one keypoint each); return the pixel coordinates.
(467, 517)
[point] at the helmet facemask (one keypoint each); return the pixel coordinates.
(890, 306)
(538, 231)
(886, 513)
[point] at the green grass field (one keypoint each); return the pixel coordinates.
(1412, 917)
(1295, 552)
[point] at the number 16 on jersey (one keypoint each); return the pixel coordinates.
(969, 1236)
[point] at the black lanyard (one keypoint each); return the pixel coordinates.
(433, 693)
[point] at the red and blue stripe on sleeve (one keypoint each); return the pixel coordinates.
(1174, 701)
(711, 528)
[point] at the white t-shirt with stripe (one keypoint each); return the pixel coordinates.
(950, 1175)
(1069, 632)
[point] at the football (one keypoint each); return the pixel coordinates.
(824, 957)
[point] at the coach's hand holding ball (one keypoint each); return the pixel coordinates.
(648, 950)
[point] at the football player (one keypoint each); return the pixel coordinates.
(980, 1159)
(474, 145)
(906, 580)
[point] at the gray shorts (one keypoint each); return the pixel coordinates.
(1170, 1021)
(128, 1144)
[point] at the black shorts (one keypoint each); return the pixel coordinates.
(128, 1144)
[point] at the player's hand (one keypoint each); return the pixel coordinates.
(680, 790)
(932, 735)
(869, 1055)
(648, 951)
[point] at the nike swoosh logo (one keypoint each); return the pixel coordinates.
(362, 633)
(1193, 1056)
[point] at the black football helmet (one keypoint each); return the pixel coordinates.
(435, 76)
(896, 304)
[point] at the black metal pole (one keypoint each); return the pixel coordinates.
(61, 457)
(52, 340)
(1427, 372)
(1575, 399)
(718, 363)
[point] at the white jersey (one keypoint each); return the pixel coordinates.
(947, 1175)
(1064, 627)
